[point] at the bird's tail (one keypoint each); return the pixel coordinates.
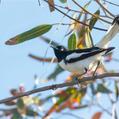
(109, 49)
(113, 30)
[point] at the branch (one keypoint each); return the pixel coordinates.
(91, 13)
(97, 28)
(56, 86)
(41, 59)
(111, 3)
(104, 8)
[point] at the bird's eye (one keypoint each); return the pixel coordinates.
(62, 49)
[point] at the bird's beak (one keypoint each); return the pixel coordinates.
(52, 46)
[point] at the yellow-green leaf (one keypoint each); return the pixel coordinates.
(88, 39)
(94, 19)
(103, 89)
(63, 1)
(72, 42)
(20, 103)
(116, 90)
(30, 34)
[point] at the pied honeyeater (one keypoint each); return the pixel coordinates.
(81, 60)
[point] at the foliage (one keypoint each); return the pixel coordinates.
(79, 36)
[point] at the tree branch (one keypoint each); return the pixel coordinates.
(97, 28)
(90, 12)
(104, 8)
(41, 59)
(56, 86)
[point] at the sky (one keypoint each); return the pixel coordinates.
(17, 16)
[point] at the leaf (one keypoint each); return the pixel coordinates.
(63, 1)
(116, 91)
(20, 103)
(94, 19)
(48, 40)
(88, 39)
(72, 42)
(97, 115)
(31, 113)
(30, 34)
(92, 89)
(56, 106)
(57, 71)
(51, 5)
(101, 88)
(16, 115)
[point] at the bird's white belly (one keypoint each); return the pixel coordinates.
(79, 67)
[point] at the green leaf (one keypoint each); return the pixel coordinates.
(88, 40)
(92, 89)
(72, 42)
(116, 91)
(48, 40)
(31, 113)
(20, 103)
(16, 115)
(57, 71)
(30, 34)
(103, 89)
(94, 19)
(63, 1)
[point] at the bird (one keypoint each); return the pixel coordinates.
(79, 61)
(82, 60)
(110, 34)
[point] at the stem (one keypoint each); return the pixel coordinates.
(97, 28)
(104, 8)
(91, 13)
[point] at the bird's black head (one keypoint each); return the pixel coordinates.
(60, 52)
(116, 20)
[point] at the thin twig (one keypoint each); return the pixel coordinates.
(111, 3)
(72, 115)
(91, 13)
(97, 28)
(105, 110)
(39, 2)
(56, 86)
(104, 8)
(77, 11)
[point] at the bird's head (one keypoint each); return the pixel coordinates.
(60, 52)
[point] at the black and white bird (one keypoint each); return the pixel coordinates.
(81, 60)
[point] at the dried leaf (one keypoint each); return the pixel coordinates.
(97, 115)
(51, 5)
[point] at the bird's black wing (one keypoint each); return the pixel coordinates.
(83, 50)
(86, 54)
